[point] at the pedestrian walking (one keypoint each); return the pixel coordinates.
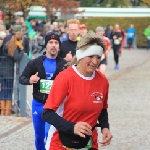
(78, 99)
(40, 72)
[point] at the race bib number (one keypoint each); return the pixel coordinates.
(116, 42)
(130, 34)
(45, 86)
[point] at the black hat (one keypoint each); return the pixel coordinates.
(51, 36)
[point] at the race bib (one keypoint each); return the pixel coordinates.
(116, 42)
(45, 86)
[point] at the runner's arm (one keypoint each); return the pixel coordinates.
(103, 119)
(58, 122)
(26, 74)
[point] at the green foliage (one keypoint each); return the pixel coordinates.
(140, 23)
(115, 3)
(145, 3)
(87, 3)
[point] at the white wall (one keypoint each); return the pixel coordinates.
(113, 12)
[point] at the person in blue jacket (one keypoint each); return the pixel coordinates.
(40, 72)
(130, 34)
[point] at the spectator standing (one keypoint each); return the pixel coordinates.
(147, 35)
(3, 34)
(14, 30)
(40, 72)
(13, 51)
(130, 35)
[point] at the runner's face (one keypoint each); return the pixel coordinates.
(83, 31)
(100, 33)
(89, 64)
(52, 48)
(116, 28)
(73, 31)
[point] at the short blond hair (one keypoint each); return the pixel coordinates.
(73, 21)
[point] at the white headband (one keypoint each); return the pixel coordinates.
(92, 50)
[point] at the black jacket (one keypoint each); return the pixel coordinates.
(36, 65)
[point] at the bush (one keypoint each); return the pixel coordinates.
(140, 23)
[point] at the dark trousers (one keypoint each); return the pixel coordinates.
(130, 42)
(116, 49)
(148, 44)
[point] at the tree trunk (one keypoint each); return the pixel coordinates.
(135, 2)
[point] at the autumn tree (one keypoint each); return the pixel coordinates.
(4, 7)
(23, 5)
(145, 3)
(140, 3)
(12, 6)
(65, 6)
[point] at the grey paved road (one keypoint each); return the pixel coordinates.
(128, 108)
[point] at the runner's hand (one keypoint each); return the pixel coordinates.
(114, 37)
(68, 56)
(107, 136)
(34, 78)
(120, 38)
(82, 129)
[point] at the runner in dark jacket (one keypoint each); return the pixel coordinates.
(41, 72)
